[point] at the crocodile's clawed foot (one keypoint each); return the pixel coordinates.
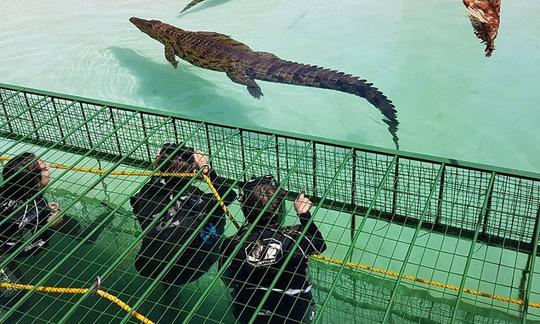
(255, 92)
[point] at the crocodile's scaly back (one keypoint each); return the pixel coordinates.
(242, 65)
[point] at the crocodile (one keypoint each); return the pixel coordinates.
(242, 65)
(485, 18)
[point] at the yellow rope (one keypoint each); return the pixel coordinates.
(221, 203)
(147, 174)
(423, 281)
(77, 291)
(228, 213)
(123, 305)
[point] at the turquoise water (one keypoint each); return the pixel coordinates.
(451, 100)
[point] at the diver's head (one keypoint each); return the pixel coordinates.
(175, 158)
(25, 175)
(149, 27)
(256, 194)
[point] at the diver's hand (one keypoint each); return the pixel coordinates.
(55, 211)
(201, 161)
(302, 204)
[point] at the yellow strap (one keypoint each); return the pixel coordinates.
(221, 203)
(423, 281)
(77, 291)
(146, 174)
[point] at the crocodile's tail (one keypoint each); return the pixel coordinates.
(191, 4)
(313, 76)
(490, 47)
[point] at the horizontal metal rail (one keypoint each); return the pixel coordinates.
(318, 140)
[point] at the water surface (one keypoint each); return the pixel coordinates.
(451, 100)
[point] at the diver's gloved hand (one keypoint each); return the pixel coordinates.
(302, 204)
(53, 216)
(201, 161)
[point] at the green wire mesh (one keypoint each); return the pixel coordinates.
(463, 224)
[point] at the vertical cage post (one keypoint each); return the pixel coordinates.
(314, 167)
(208, 143)
(441, 196)
(143, 124)
(286, 144)
(530, 258)
(486, 215)
(83, 113)
(353, 195)
(395, 187)
(115, 134)
(31, 114)
(411, 246)
(243, 153)
(489, 192)
(278, 171)
(530, 264)
(60, 128)
(175, 130)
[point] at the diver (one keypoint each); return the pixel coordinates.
(258, 261)
(185, 214)
(25, 177)
(27, 211)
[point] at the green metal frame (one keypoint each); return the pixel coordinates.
(492, 207)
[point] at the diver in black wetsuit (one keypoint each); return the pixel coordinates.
(260, 258)
(186, 213)
(18, 191)
(24, 178)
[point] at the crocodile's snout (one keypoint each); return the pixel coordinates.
(143, 24)
(136, 21)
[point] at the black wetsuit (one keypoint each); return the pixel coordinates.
(31, 218)
(14, 232)
(27, 221)
(257, 264)
(18, 228)
(176, 225)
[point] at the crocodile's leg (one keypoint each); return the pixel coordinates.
(239, 76)
(169, 55)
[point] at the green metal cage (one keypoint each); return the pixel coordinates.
(411, 238)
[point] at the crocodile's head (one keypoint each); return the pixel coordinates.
(149, 27)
